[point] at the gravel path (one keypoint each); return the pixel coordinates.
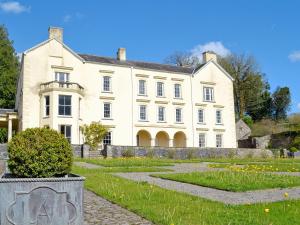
(98, 211)
(227, 197)
(87, 165)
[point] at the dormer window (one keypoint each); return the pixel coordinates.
(62, 77)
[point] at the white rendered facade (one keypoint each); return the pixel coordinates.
(141, 105)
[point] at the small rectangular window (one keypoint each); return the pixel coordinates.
(208, 94)
(107, 110)
(219, 140)
(107, 139)
(160, 89)
(47, 105)
(65, 105)
(201, 140)
(178, 115)
(66, 131)
(218, 117)
(143, 112)
(61, 77)
(177, 90)
(161, 114)
(200, 115)
(106, 84)
(142, 87)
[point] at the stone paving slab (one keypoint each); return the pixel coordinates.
(98, 211)
(87, 165)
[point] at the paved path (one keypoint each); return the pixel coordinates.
(98, 211)
(87, 165)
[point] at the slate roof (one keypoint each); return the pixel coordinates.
(138, 64)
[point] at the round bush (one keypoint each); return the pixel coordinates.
(39, 152)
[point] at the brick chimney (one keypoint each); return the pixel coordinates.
(209, 55)
(56, 32)
(121, 54)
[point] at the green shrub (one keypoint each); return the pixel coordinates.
(248, 120)
(150, 153)
(3, 135)
(93, 134)
(296, 142)
(39, 152)
(293, 149)
(127, 153)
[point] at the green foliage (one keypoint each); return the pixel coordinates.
(281, 102)
(94, 134)
(293, 149)
(128, 153)
(296, 142)
(39, 152)
(9, 70)
(248, 120)
(3, 135)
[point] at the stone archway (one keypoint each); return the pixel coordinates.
(179, 139)
(143, 138)
(162, 139)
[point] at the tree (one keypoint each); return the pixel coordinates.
(94, 134)
(251, 90)
(182, 59)
(281, 102)
(9, 70)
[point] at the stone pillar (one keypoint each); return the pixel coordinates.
(9, 128)
(171, 144)
(152, 142)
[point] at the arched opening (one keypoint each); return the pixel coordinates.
(143, 138)
(179, 139)
(162, 139)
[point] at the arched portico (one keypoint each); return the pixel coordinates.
(143, 138)
(162, 139)
(179, 139)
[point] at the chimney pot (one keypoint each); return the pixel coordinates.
(209, 55)
(56, 32)
(121, 54)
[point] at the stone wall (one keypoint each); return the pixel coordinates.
(3, 151)
(184, 153)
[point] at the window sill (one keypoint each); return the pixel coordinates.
(107, 92)
(46, 117)
(143, 121)
(179, 122)
(219, 124)
(160, 96)
(143, 95)
(107, 118)
(161, 121)
(209, 101)
(179, 98)
(62, 116)
(201, 123)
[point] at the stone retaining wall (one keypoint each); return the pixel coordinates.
(3, 151)
(184, 153)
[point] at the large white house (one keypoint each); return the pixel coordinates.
(143, 104)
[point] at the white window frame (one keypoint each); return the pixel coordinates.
(164, 114)
(140, 113)
(111, 138)
(69, 138)
(59, 105)
(179, 91)
(47, 106)
(219, 142)
(66, 76)
(211, 97)
(204, 135)
(177, 121)
(203, 116)
(219, 120)
(162, 89)
(106, 88)
(145, 87)
(110, 110)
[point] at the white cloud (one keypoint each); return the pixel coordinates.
(67, 18)
(294, 56)
(13, 7)
(215, 46)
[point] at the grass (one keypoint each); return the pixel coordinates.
(234, 181)
(165, 207)
(135, 162)
(272, 166)
(132, 169)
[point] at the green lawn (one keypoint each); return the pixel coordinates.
(234, 181)
(274, 166)
(135, 162)
(165, 207)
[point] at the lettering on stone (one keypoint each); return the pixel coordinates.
(41, 206)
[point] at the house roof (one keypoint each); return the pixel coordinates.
(4, 111)
(139, 64)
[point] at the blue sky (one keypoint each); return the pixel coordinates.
(152, 30)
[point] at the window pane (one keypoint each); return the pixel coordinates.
(178, 115)
(107, 139)
(159, 89)
(67, 110)
(142, 90)
(201, 140)
(107, 110)
(67, 100)
(106, 83)
(200, 116)
(177, 89)
(61, 100)
(61, 110)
